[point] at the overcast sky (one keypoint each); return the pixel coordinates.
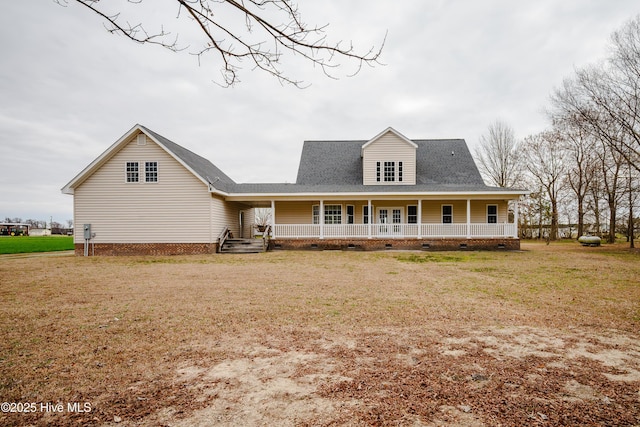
(69, 89)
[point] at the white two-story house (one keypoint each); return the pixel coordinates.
(146, 194)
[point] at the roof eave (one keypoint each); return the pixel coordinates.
(416, 194)
(392, 130)
(99, 161)
(204, 180)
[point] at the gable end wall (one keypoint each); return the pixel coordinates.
(389, 147)
(176, 209)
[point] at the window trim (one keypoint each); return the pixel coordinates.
(365, 214)
(315, 214)
(496, 215)
(442, 214)
(335, 216)
(409, 215)
(147, 172)
(129, 178)
(389, 171)
(350, 217)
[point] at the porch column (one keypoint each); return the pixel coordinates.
(419, 218)
(515, 219)
(273, 219)
(322, 219)
(369, 235)
(468, 218)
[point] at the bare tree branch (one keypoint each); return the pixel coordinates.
(498, 156)
(271, 29)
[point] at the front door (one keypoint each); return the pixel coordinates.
(390, 221)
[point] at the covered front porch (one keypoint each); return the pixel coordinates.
(394, 219)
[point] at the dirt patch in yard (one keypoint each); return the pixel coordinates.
(546, 336)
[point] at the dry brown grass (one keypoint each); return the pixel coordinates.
(547, 336)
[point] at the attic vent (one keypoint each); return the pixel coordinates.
(142, 139)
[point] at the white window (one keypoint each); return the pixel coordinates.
(412, 214)
(151, 171)
(389, 171)
(132, 173)
(316, 214)
(351, 211)
(333, 214)
(447, 214)
(365, 214)
(492, 214)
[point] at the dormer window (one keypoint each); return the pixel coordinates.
(389, 171)
(389, 159)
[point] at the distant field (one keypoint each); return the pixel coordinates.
(25, 244)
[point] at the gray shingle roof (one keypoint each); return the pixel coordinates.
(203, 167)
(336, 167)
(339, 163)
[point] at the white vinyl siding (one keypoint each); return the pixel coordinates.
(389, 148)
(224, 214)
(177, 209)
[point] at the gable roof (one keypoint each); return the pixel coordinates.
(443, 166)
(199, 166)
(384, 132)
(202, 168)
(339, 163)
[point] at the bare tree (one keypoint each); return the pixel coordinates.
(260, 32)
(606, 96)
(498, 157)
(544, 159)
(263, 218)
(581, 160)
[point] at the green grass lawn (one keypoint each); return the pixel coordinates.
(25, 244)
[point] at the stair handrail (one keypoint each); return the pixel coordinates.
(266, 235)
(224, 235)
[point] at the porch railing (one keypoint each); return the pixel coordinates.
(380, 231)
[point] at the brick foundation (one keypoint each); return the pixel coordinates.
(397, 244)
(147, 248)
(305, 244)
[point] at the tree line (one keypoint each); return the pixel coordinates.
(35, 223)
(584, 168)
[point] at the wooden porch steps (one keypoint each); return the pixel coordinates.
(242, 246)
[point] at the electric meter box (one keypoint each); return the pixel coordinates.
(87, 231)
